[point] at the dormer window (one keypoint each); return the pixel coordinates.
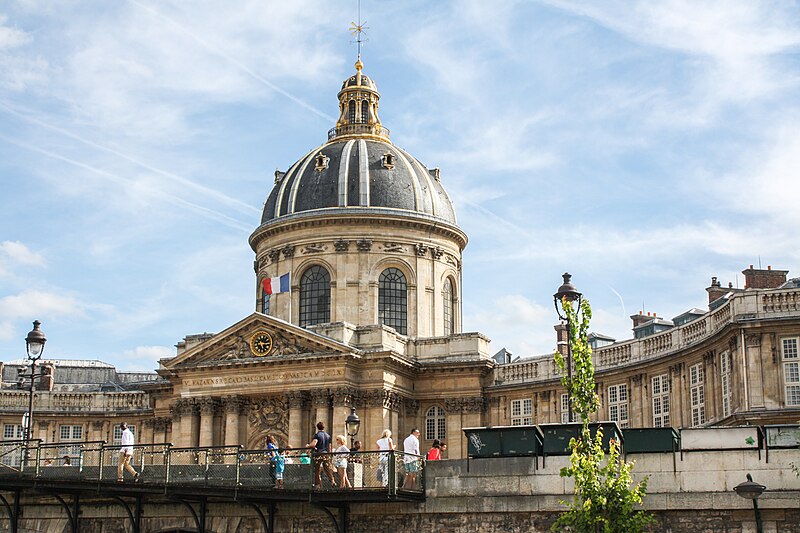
(279, 175)
(321, 161)
(388, 161)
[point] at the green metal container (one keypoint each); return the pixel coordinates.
(651, 440)
(483, 442)
(557, 436)
(503, 441)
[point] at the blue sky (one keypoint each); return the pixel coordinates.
(642, 146)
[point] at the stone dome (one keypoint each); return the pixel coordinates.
(359, 170)
(358, 174)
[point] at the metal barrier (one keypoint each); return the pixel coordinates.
(223, 467)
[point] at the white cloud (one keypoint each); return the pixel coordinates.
(515, 322)
(11, 37)
(16, 252)
(143, 358)
(36, 303)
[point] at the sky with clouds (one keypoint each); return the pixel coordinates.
(642, 146)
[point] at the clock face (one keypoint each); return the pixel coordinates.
(261, 343)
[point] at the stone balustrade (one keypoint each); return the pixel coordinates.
(750, 305)
(75, 402)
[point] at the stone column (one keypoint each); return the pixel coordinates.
(232, 406)
(297, 401)
(677, 393)
(636, 399)
(321, 402)
(710, 381)
(208, 407)
(187, 433)
(146, 435)
(342, 400)
(455, 421)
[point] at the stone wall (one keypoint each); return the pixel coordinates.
(495, 496)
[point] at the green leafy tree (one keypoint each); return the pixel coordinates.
(606, 498)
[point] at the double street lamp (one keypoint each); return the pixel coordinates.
(567, 294)
(34, 344)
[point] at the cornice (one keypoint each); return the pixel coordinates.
(350, 216)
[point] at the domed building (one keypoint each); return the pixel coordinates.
(358, 283)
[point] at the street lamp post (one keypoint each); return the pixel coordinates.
(752, 490)
(34, 345)
(352, 425)
(566, 294)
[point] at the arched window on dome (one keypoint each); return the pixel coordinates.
(265, 303)
(435, 423)
(351, 112)
(365, 111)
(315, 296)
(393, 300)
(449, 307)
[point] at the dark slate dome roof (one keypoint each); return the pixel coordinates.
(358, 173)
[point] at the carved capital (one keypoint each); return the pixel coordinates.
(97, 425)
(288, 251)
(364, 245)
(341, 245)
(161, 423)
(274, 255)
(343, 396)
(421, 249)
(296, 399)
(752, 340)
(452, 405)
(637, 379)
(437, 252)
(411, 406)
(320, 398)
(709, 358)
(208, 406)
(233, 404)
(473, 404)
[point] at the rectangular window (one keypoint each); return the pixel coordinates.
(618, 404)
(791, 370)
(697, 394)
(71, 433)
(660, 390)
(522, 412)
(118, 433)
(565, 410)
(13, 432)
(12, 456)
(725, 379)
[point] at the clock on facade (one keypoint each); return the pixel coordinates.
(261, 343)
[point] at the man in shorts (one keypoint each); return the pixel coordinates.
(411, 458)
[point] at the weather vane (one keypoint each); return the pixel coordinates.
(358, 30)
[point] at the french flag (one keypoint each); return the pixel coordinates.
(276, 285)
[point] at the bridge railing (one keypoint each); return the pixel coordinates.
(216, 467)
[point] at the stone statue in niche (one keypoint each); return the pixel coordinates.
(267, 416)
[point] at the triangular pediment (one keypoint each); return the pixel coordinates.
(236, 344)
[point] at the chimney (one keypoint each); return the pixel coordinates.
(715, 290)
(45, 381)
(641, 318)
(562, 337)
(757, 278)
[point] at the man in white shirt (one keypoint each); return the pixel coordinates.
(125, 454)
(411, 459)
